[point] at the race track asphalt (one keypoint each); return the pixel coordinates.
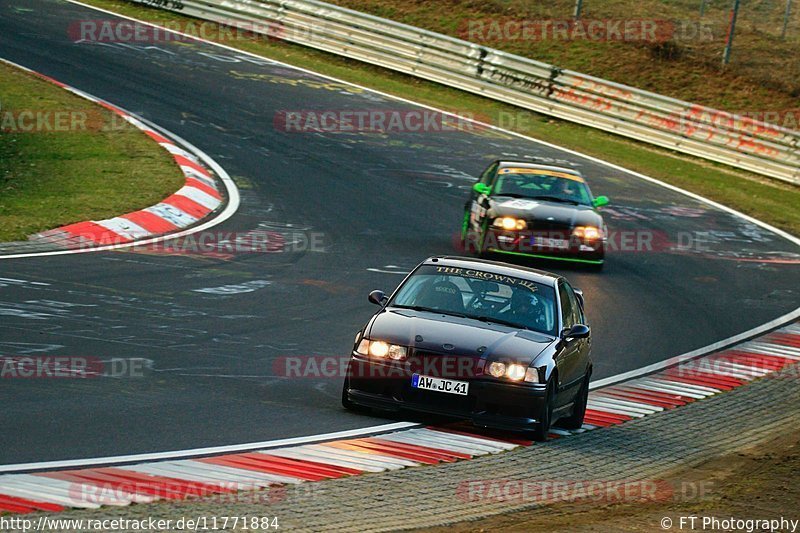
(369, 200)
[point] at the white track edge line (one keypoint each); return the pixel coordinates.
(198, 452)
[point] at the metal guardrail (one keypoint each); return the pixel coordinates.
(648, 117)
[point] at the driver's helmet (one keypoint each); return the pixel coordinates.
(524, 302)
(567, 188)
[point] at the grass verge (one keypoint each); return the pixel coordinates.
(90, 165)
(770, 201)
(683, 62)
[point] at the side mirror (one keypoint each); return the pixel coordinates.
(377, 297)
(578, 331)
(482, 188)
(600, 201)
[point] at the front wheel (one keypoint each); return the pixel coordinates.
(546, 416)
(465, 231)
(575, 421)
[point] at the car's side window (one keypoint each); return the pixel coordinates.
(577, 312)
(488, 174)
(567, 311)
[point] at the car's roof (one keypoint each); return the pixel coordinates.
(495, 267)
(506, 163)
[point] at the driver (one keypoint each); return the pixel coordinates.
(567, 189)
(525, 308)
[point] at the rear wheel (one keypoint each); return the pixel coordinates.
(546, 415)
(575, 421)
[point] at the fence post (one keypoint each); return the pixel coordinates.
(578, 8)
(726, 55)
(786, 15)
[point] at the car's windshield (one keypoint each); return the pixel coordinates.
(480, 295)
(545, 184)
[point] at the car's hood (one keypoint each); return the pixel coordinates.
(555, 213)
(444, 334)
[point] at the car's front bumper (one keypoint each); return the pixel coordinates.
(530, 244)
(490, 402)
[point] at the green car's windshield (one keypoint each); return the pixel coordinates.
(543, 184)
(480, 295)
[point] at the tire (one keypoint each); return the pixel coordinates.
(597, 267)
(546, 418)
(465, 231)
(480, 253)
(575, 421)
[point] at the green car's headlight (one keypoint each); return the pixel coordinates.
(510, 223)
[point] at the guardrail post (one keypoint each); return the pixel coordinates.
(554, 73)
(578, 8)
(786, 15)
(726, 55)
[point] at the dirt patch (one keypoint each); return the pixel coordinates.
(754, 484)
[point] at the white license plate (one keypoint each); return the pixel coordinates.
(449, 386)
(547, 242)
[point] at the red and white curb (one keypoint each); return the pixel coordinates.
(200, 196)
(412, 446)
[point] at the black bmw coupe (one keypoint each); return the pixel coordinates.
(504, 346)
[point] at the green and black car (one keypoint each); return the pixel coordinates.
(533, 210)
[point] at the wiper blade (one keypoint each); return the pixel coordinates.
(430, 310)
(557, 199)
(484, 318)
(511, 195)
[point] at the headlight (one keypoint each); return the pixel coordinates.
(515, 372)
(381, 350)
(532, 375)
(510, 223)
(363, 347)
(378, 349)
(590, 233)
(497, 370)
(398, 353)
